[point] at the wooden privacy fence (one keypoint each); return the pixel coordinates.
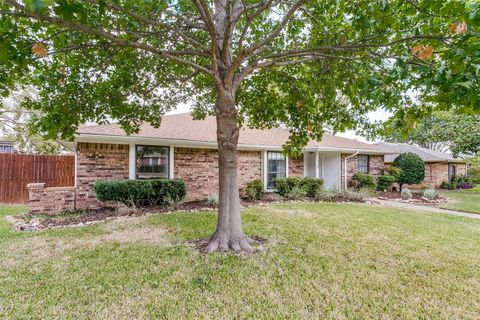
(18, 170)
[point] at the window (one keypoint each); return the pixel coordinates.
(363, 163)
(276, 167)
(152, 162)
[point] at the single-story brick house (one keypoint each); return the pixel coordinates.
(439, 166)
(187, 149)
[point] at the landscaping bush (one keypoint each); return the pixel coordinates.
(285, 185)
(338, 196)
(395, 172)
(213, 199)
(430, 194)
(449, 185)
(254, 189)
(296, 193)
(465, 185)
(385, 182)
(463, 179)
(406, 194)
(412, 166)
(136, 193)
(364, 181)
(474, 175)
(311, 186)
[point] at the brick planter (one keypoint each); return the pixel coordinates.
(50, 200)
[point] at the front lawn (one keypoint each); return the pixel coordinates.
(464, 200)
(320, 261)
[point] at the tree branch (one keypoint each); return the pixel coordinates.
(170, 55)
(263, 43)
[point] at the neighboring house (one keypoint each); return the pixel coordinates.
(7, 146)
(187, 149)
(439, 166)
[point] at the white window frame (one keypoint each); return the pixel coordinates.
(132, 160)
(265, 169)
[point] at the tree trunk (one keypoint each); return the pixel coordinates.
(229, 233)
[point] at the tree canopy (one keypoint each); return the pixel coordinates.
(440, 131)
(16, 124)
(302, 64)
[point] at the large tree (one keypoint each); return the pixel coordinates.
(302, 64)
(16, 124)
(440, 131)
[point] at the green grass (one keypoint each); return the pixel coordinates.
(463, 200)
(320, 261)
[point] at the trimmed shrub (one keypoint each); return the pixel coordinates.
(136, 193)
(430, 194)
(364, 181)
(449, 185)
(385, 182)
(311, 186)
(465, 185)
(406, 194)
(254, 189)
(413, 168)
(285, 185)
(395, 172)
(340, 196)
(296, 193)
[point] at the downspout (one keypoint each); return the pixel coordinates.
(75, 177)
(345, 169)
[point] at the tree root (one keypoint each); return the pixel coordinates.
(225, 242)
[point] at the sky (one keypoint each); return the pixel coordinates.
(373, 116)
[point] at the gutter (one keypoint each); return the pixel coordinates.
(205, 144)
(345, 169)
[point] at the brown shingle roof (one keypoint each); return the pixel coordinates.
(183, 127)
(426, 154)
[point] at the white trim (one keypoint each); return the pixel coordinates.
(286, 165)
(317, 168)
(264, 165)
(323, 164)
(304, 164)
(170, 162)
(132, 162)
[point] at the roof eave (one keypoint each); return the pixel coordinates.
(101, 138)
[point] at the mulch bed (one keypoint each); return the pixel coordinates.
(396, 195)
(83, 217)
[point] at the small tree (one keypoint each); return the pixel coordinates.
(413, 168)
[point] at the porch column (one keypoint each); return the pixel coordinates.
(131, 161)
(317, 167)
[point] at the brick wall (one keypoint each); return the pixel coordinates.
(376, 166)
(199, 169)
(98, 161)
(435, 174)
(50, 200)
(295, 167)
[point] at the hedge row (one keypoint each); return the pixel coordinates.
(140, 192)
(311, 186)
(366, 181)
